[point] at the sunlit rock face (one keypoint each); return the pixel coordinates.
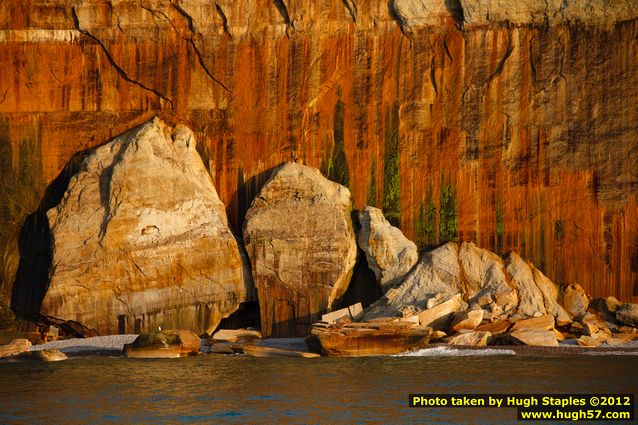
(510, 288)
(508, 123)
(140, 240)
(390, 255)
(301, 243)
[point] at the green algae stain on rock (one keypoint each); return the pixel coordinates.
(391, 178)
(335, 164)
(425, 227)
(372, 192)
(448, 208)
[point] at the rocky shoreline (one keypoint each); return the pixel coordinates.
(113, 345)
(141, 242)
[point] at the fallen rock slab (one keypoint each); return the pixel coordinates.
(352, 312)
(468, 319)
(550, 293)
(46, 355)
(15, 347)
(544, 322)
(436, 275)
(531, 299)
(369, 339)
(164, 344)
(575, 299)
(233, 335)
(472, 338)
(485, 283)
(259, 351)
(495, 328)
(439, 316)
(539, 337)
(588, 341)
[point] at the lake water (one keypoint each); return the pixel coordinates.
(241, 389)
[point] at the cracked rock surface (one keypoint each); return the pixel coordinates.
(141, 240)
(301, 243)
(515, 122)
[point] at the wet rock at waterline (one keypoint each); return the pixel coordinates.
(301, 243)
(140, 239)
(46, 355)
(16, 346)
(163, 344)
(368, 339)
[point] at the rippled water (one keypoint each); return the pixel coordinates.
(240, 389)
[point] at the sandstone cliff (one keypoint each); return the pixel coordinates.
(509, 123)
(140, 239)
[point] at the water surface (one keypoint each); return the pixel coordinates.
(241, 389)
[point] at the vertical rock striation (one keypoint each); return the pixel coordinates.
(301, 243)
(508, 123)
(140, 239)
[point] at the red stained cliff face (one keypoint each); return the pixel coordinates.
(516, 134)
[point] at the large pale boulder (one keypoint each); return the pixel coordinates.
(140, 239)
(301, 243)
(368, 339)
(46, 355)
(389, 253)
(234, 335)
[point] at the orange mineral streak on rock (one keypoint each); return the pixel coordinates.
(526, 118)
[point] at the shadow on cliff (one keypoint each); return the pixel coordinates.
(35, 246)
(363, 286)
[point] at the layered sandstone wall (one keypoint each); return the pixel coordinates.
(511, 124)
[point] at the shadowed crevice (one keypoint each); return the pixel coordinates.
(456, 11)
(352, 8)
(118, 69)
(394, 14)
(283, 11)
(224, 19)
(35, 247)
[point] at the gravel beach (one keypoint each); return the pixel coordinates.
(113, 345)
(109, 344)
